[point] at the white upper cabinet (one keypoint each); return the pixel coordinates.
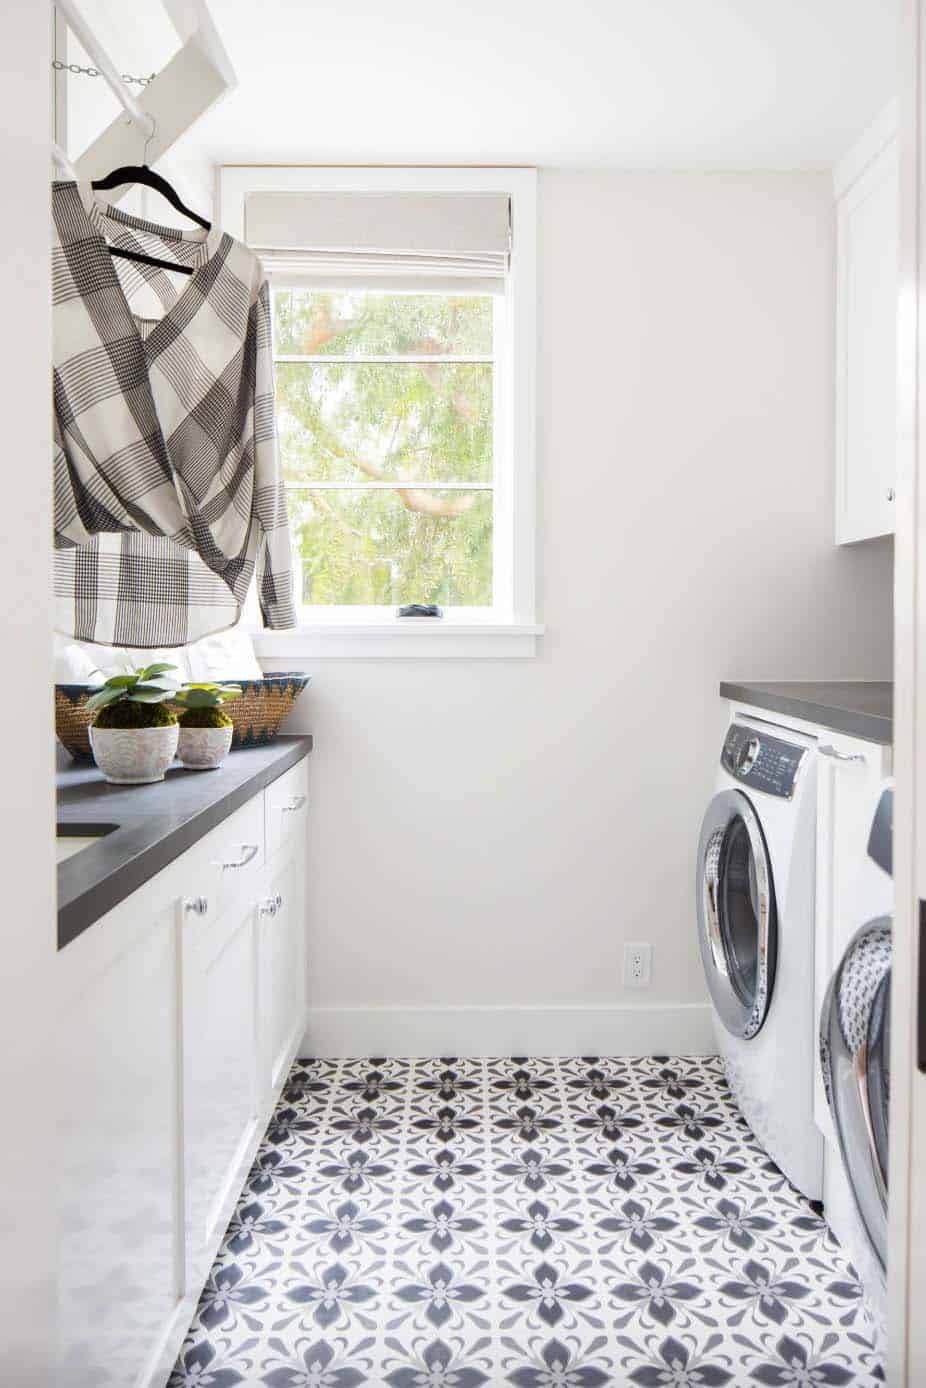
(866, 189)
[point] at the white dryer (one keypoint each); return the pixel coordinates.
(855, 1029)
(756, 898)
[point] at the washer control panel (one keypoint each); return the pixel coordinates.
(763, 762)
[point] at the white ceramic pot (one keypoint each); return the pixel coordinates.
(203, 749)
(134, 756)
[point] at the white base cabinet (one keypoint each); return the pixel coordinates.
(182, 1011)
(120, 1274)
(282, 932)
(282, 953)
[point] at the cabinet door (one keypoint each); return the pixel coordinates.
(221, 1074)
(282, 945)
(866, 405)
(120, 1273)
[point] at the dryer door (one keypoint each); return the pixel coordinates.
(737, 924)
(855, 1057)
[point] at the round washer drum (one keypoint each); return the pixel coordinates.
(737, 920)
(855, 1059)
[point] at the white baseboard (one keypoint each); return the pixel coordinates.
(648, 1029)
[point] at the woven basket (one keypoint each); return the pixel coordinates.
(263, 705)
(72, 721)
(257, 715)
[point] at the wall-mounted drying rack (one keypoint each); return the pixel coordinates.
(197, 76)
(108, 70)
(62, 162)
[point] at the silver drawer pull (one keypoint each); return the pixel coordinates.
(249, 852)
(271, 905)
(196, 905)
(830, 751)
(296, 803)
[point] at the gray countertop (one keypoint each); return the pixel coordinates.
(154, 824)
(859, 708)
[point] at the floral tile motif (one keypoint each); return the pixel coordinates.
(562, 1223)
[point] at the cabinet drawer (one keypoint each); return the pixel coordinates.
(231, 857)
(286, 807)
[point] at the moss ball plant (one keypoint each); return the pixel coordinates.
(128, 714)
(134, 733)
(205, 735)
(204, 718)
(136, 700)
(201, 704)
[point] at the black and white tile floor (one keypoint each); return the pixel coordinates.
(542, 1223)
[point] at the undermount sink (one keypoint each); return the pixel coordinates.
(74, 838)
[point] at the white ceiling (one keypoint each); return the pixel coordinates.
(630, 83)
(738, 84)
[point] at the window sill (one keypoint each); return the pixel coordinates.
(394, 638)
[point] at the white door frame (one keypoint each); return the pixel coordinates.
(907, 1221)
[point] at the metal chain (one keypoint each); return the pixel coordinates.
(95, 72)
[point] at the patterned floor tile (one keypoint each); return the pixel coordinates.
(564, 1223)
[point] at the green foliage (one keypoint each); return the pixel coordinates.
(131, 713)
(205, 696)
(363, 323)
(205, 718)
(368, 548)
(152, 684)
(357, 421)
(350, 421)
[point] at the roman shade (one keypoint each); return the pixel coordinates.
(387, 238)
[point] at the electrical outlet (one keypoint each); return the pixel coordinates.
(638, 966)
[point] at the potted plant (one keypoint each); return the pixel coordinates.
(205, 731)
(134, 733)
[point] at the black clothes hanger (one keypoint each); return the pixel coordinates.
(140, 173)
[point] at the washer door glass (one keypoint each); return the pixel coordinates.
(737, 924)
(854, 1052)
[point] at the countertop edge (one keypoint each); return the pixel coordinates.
(83, 908)
(870, 727)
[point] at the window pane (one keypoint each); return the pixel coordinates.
(350, 323)
(346, 422)
(392, 547)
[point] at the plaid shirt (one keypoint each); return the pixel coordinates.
(167, 486)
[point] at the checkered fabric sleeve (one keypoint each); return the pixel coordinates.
(167, 487)
(274, 563)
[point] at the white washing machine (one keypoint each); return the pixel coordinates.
(855, 1030)
(756, 902)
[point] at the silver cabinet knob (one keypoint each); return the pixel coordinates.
(829, 751)
(196, 905)
(296, 803)
(249, 852)
(271, 905)
(891, 493)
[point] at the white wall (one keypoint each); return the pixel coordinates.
(489, 834)
(27, 922)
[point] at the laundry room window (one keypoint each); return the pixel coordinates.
(387, 432)
(404, 345)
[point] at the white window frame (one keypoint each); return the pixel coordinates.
(510, 627)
